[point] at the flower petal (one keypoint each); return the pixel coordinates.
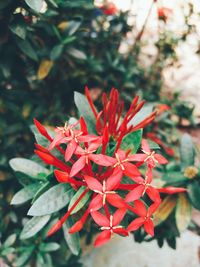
(170, 190)
(71, 147)
(115, 200)
(139, 208)
(102, 238)
(96, 203)
(135, 224)
(120, 231)
(145, 146)
(93, 183)
(135, 194)
(100, 219)
(114, 180)
(77, 166)
(160, 159)
(131, 170)
(102, 160)
(118, 216)
(153, 194)
(149, 227)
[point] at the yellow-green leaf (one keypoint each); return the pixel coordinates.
(183, 212)
(44, 69)
(164, 210)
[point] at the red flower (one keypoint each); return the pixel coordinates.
(144, 187)
(150, 157)
(121, 164)
(144, 219)
(105, 192)
(170, 190)
(85, 156)
(109, 9)
(164, 13)
(109, 226)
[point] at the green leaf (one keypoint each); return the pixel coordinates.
(10, 240)
(82, 202)
(73, 26)
(25, 194)
(85, 110)
(77, 53)
(24, 256)
(41, 190)
(153, 145)
(27, 49)
(165, 209)
(18, 29)
(27, 167)
(183, 212)
(48, 247)
(36, 5)
(52, 200)
(56, 52)
(7, 251)
(33, 226)
(186, 151)
(132, 141)
(194, 194)
(73, 240)
(174, 177)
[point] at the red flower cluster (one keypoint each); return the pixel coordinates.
(109, 9)
(112, 178)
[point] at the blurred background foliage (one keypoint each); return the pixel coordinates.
(49, 49)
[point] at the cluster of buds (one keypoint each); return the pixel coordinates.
(109, 173)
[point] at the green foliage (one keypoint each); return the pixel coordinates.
(186, 151)
(132, 141)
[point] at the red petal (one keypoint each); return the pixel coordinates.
(57, 140)
(88, 138)
(149, 175)
(96, 203)
(131, 170)
(102, 238)
(62, 177)
(83, 126)
(41, 129)
(79, 151)
(114, 180)
(120, 231)
(118, 216)
(71, 147)
(100, 219)
(160, 159)
(121, 154)
(115, 200)
(139, 208)
(103, 160)
(145, 146)
(149, 227)
(93, 183)
(153, 194)
(135, 224)
(54, 228)
(77, 166)
(135, 194)
(153, 208)
(172, 190)
(137, 157)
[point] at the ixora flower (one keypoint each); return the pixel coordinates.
(100, 169)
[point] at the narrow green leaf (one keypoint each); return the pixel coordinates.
(24, 256)
(25, 194)
(18, 29)
(194, 194)
(85, 110)
(33, 226)
(27, 49)
(174, 177)
(186, 151)
(27, 167)
(48, 247)
(77, 53)
(52, 200)
(73, 240)
(10, 240)
(56, 52)
(132, 141)
(183, 212)
(82, 202)
(141, 115)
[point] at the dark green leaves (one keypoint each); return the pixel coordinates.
(132, 141)
(25, 194)
(33, 226)
(85, 110)
(73, 240)
(194, 194)
(48, 247)
(27, 167)
(52, 200)
(186, 151)
(27, 49)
